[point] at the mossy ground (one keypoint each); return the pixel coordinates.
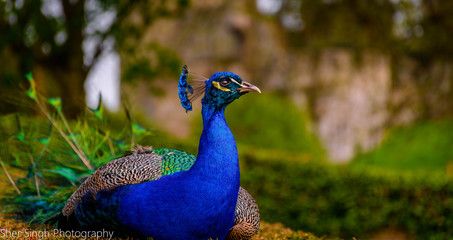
(274, 231)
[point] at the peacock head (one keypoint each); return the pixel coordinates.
(220, 89)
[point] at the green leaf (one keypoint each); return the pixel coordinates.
(31, 92)
(56, 102)
(68, 173)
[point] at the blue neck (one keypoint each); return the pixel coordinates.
(208, 112)
(217, 151)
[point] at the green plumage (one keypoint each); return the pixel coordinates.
(174, 160)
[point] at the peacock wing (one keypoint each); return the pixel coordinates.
(141, 166)
(146, 165)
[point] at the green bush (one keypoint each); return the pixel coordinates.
(421, 147)
(338, 201)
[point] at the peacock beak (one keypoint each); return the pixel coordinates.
(248, 87)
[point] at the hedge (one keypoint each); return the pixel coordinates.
(337, 201)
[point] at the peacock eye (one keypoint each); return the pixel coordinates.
(225, 82)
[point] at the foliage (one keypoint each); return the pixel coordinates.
(350, 24)
(421, 147)
(418, 28)
(137, 63)
(336, 200)
(53, 155)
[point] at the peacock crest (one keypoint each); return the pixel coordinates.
(187, 93)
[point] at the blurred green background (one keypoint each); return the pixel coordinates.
(352, 136)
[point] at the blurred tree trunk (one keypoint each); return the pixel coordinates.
(63, 74)
(69, 81)
(72, 74)
(71, 84)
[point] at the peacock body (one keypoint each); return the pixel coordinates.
(170, 194)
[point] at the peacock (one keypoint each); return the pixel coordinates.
(171, 194)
